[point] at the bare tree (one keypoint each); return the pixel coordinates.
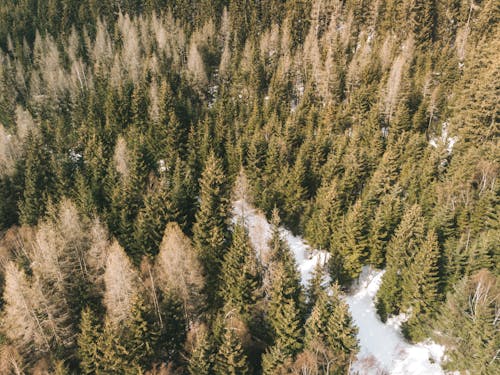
(398, 69)
(121, 285)
(195, 64)
(11, 361)
(21, 321)
(121, 157)
(179, 270)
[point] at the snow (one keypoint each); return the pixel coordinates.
(383, 349)
(444, 139)
(74, 156)
(259, 231)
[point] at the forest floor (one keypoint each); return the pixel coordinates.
(383, 349)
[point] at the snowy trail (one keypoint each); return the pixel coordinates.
(383, 349)
(382, 345)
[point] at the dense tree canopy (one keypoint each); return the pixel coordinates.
(369, 127)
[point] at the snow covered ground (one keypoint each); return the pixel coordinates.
(383, 348)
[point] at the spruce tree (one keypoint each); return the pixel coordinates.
(282, 262)
(88, 351)
(240, 273)
(326, 216)
(231, 359)
(404, 245)
(329, 330)
(210, 229)
(285, 319)
(387, 216)
(33, 203)
(349, 245)
(420, 287)
(200, 361)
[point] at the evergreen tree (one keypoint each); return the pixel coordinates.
(329, 330)
(210, 229)
(325, 218)
(404, 245)
(231, 358)
(285, 320)
(200, 361)
(282, 262)
(87, 342)
(240, 274)
(387, 216)
(349, 245)
(420, 287)
(36, 182)
(469, 320)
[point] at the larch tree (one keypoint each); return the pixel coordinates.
(178, 270)
(121, 290)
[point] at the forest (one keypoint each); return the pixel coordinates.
(128, 129)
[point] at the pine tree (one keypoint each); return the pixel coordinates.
(330, 331)
(151, 221)
(470, 320)
(349, 245)
(285, 319)
(139, 337)
(315, 287)
(295, 195)
(33, 203)
(113, 355)
(325, 218)
(282, 262)
(342, 334)
(387, 216)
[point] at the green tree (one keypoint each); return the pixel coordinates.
(383, 225)
(420, 288)
(231, 358)
(36, 182)
(240, 273)
(470, 320)
(349, 245)
(402, 248)
(210, 229)
(329, 330)
(88, 352)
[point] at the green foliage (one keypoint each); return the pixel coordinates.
(349, 245)
(231, 358)
(240, 274)
(369, 125)
(330, 330)
(210, 229)
(400, 254)
(471, 326)
(200, 361)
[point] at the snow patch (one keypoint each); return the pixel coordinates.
(383, 349)
(444, 139)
